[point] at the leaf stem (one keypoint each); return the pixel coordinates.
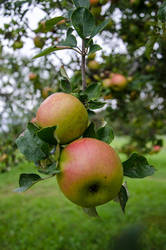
(83, 54)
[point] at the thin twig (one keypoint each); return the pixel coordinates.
(83, 66)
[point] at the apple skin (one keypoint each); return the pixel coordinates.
(91, 172)
(38, 42)
(93, 65)
(107, 83)
(94, 2)
(156, 148)
(32, 76)
(118, 81)
(66, 112)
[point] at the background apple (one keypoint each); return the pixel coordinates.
(118, 81)
(65, 111)
(91, 172)
(94, 2)
(32, 76)
(93, 65)
(38, 42)
(107, 82)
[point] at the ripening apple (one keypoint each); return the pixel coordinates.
(156, 148)
(91, 172)
(66, 112)
(93, 65)
(32, 76)
(94, 2)
(118, 81)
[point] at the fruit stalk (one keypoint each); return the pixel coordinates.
(83, 54)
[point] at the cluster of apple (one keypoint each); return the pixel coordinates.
(113, 81)
(91, 172)
(116, 82)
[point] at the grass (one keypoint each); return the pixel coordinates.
(42, 218)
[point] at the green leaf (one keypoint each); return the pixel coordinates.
(47, 135)
(105, 134)
(51, 22)
(50, 50)
(48, 25)
(82, 3)
(83, 22)
(69, 31)
(99, 28)
(93, 91)
(90, 131)
(91, 211)
(26, 181)
(96, 104)
(94, 48)
(65, 86)
(137, 166)
(123, 197)
(64, 73)
(31, 145)
(70, 41)
(162, 12)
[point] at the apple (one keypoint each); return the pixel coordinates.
(66, 112)
(93, 65)
(156, 148)
(94, 2)
(91, 172)
(38, 42)
(135, 2)
(107, 82)
(32, 76)
(18, 44)
(91, 56)
(118, 81)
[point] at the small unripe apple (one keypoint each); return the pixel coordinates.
(118, 82)
(91, 56)
(39, 42)
(18, 45)
(107, 82)
(91, 172)
(93, 65)
(32, 76)
(67, 113)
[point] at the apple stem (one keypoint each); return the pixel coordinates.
(83, 54)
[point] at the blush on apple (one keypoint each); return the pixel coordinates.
(91, 172)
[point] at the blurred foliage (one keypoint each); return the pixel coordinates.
(137, 110)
